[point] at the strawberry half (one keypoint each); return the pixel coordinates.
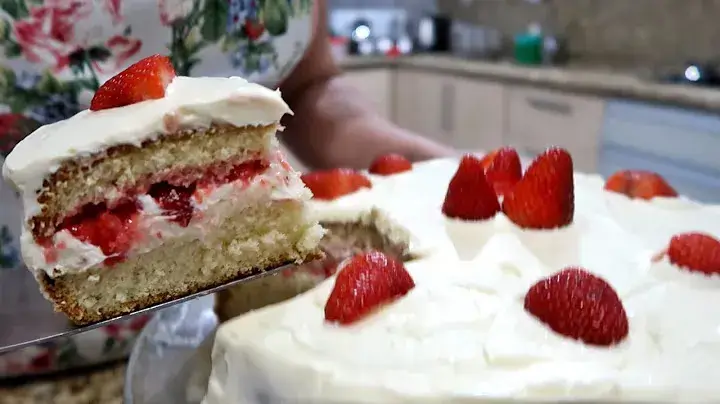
(639, 184)
(389, 164)
(695, 252)
(469, 195)
(144, 80)
(579, 305)
(545, 196)
(332, 184)
(503, 170)
(367, 282)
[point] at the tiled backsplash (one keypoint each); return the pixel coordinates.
(628, 31)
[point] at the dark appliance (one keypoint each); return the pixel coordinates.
(434, 34)
(700, 74)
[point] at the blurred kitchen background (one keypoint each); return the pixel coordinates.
(620, 83)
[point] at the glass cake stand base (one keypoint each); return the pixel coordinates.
(170, 362)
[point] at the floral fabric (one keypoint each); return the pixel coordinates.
(55, 53)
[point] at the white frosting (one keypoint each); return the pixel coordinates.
(462, 335)
(190, 102)
(155, 228)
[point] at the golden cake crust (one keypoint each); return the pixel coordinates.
(185, 266)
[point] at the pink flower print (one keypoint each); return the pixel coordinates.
(138, 323)
(121, 48)
(47, 35)
(43, 361)
(112, 330)
(113, 8)
(174, 10)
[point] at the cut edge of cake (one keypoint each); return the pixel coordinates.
(371, 229)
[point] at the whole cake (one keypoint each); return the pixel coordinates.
(166, 186)
(545, 285)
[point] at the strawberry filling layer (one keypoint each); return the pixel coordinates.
(114, 228)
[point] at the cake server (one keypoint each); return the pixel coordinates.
(47, 325)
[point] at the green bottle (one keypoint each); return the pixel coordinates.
(528, 46)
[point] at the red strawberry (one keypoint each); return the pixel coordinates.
(544, 198)
(334, 183)
(503, 170)
(469, 195)
(368, 281)
(145, 80)
(579, 305)
(696, 252)
(639, 184)
(253, 29)
(389, 164)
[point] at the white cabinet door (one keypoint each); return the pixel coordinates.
(376, 85)
(479, 115)
(424, 104)
(538, 119)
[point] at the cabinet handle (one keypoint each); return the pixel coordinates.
(447, 97)
(555, 107)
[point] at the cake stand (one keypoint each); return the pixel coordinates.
(170, 362)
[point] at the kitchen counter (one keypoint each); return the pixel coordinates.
(101, 385)
(602, 82)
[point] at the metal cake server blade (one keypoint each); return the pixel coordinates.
(47, 325)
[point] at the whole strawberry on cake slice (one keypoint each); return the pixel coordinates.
(693, 252)
(544, 198)
(541, 209)
(502, 169)
(166, 186)
(366, 282)
(390, 164)
(327, 185)
(633, 197)
(470, 205)
(640, 184)
(579, 305)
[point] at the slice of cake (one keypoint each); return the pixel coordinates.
(165, 187)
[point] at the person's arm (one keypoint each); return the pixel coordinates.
(333, 125)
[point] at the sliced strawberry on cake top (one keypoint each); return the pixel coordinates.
(503, 169)
(389, 164)
(469, 195)
(144, 80)
(367, 282)
(639, 184)
(334, 183)
(545, 196)
(579, 305)
(694, 252)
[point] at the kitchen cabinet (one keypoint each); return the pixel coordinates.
(538, 119)
(376, 85)
(464, 113)
(423, 104)
(479, 114)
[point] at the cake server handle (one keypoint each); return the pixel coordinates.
(47, 325)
